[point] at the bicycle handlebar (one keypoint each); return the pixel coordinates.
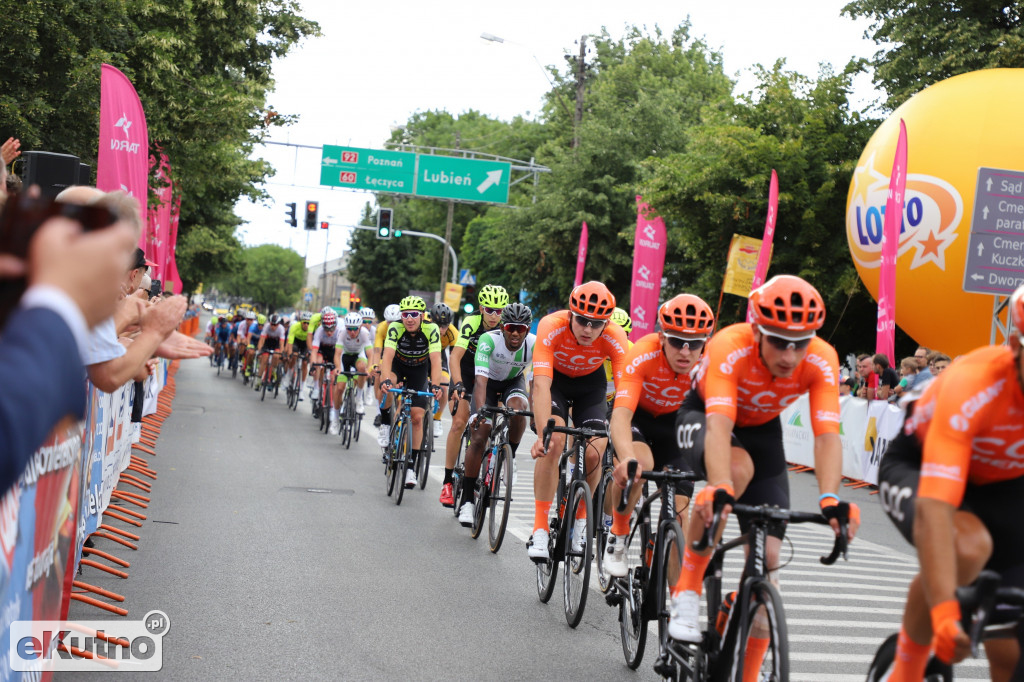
(411, 391)
(494, 409)
(551, 428)
(979, 601)
(765, 513)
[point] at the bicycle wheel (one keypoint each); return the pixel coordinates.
(632, 622)
(404, 456)
(263, 385)
(669, 561)
(423, 461)
(500, 497)
(547, 572)
(576, 566)
(357, 427)
(459, 472)
(390, 470)
(481, 503)
(234, 367)
(765, 607)
(601, 531)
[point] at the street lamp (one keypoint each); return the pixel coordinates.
(490, 37)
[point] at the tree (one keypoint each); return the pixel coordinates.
(381, 267)
(927, 42)
(270, 275)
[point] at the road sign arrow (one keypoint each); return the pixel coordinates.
(976, 277)
(988, 185)
(981, 248)
(984, 213)
(493, 178)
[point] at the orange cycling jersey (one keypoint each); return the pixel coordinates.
(649, 382)
(557, 349)
(968, 421)
(733, 381)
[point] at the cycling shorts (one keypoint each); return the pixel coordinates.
(300, 346)
(898, 475)
(272, 344)
(502, 391)
(348, 363)
(327, 353)
(770, 484)
(583, 396)
(468, 366)
(412, 376)
(659, 434)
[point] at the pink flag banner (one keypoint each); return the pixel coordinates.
(581, 257)
(765, 254)
(885, 341)
(123, 162)
(648, 265)
(172, 264)
(158, 229)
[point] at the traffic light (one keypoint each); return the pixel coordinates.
(291, 215)
(397, 232)
(324, 225)
(311, 208)
(384, 223)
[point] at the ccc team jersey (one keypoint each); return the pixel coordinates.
(558, 351)
(734, 382)
(648, 382)
(968, 421)
(495, 360)
(413, 348)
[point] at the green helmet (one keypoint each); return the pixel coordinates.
(492, 296)
(261, 319)
(413, 303)
(621, 318)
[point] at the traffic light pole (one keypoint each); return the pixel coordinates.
(429, 235)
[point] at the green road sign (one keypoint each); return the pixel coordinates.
(373, 169)
(450, 177)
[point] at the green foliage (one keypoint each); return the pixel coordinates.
(926, 42)
(271, 275)
(382, 266)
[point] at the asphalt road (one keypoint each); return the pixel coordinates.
(263, 579)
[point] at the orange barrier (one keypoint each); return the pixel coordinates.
(108, 557)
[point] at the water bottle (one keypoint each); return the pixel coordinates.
(607, 523)
(570, 467)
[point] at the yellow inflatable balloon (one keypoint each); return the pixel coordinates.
(954, 128)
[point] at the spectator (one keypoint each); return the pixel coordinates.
(908, 374)
(938, 362)
(72, 281)
(847, 386)
(888, 378)
(924, 374)
(867, 380)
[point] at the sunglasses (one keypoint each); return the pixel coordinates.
(694, 345)
(491, 311)
(516, 328)
(353, 329)
(587, 322)
(782, 343)
(410, 314)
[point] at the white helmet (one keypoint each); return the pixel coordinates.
(393, 313)
(353, 320)
(367, 313)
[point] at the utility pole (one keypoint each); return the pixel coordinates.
(323, 288)
(448, 228)
(580, 74)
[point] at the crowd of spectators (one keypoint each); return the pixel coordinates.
(875, 379)
(84, 311)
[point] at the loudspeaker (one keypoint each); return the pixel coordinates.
(52, 172)
(84, 175)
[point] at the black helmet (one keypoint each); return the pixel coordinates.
(441, 314)
(516, 313)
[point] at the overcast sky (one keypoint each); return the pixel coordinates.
(378, 62)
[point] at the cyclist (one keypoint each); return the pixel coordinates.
(572, 346)
(643, 423)
(621, 318)
(238, 330)
(750, 372)
(392, 313)
(492, 299)
(412, 353)
(221, 336)
(298, 336)
(324, 346)
(368, 315)
(951, 482)
(500, 366)
(355, 346)
(252, 338)
(441, 315)
(272, 338)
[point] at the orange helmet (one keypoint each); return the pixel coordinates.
(1017, 311)
(787, 303)
(686, 314)
(593, 300)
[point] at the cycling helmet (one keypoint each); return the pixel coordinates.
(516, 313)
(367, 313)
(413, 303)
(441, 314)
(492, 296)
(686, 314)
(392, 313)
(262, 319)
(329, 320)
(250, 315)
(220, 319)
(621, 318)
(275, 320)
(353, 320)
(305, 316)
(592, 300)
(788, 303)
(1017, 310)
(325, 310)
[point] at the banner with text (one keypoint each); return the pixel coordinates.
(123, 160)
(741, 265)
(648, 265)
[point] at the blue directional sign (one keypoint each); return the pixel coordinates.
(995, 248)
